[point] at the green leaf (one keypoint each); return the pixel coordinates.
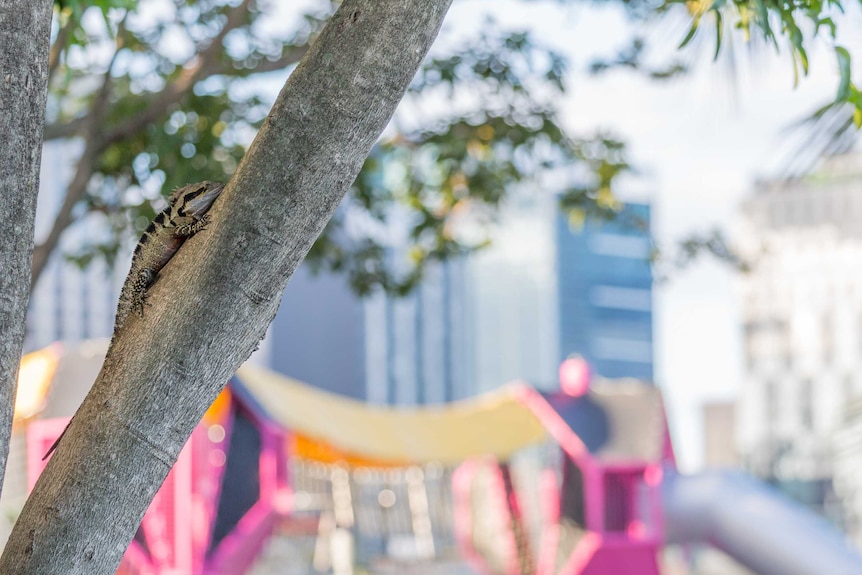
(844, 69)
(719, 29)
(803, 58)
(692, 31)
(828, 22)
(797, 42)
(763, 20)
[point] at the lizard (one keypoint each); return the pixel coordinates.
(185, 216)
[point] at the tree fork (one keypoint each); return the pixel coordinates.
(217, 296)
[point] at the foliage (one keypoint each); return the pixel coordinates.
(161, 92)
(720, 26)
(428, 189)
(442, 181)
(797, 25)
(692, 249)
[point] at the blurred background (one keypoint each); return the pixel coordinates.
(562, 179)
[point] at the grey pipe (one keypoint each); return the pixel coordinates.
(754, 524)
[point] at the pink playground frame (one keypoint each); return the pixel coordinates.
(178, 527)
(602, 550)
(179, 524)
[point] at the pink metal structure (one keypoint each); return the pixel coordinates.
(602, 512)
(201, 522)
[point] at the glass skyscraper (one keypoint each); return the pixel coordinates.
(605, 293)
(543, 291)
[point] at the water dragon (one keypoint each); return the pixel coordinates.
(185, 216)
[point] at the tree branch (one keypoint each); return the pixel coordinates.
(59, 45)
(25, 34)
(65, 130)
(86, 166)
(215, 299)
(205, 63)
(158, 107)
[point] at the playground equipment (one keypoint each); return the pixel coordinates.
(223, 496)
(609, 495)
(762, 529)
(601, 497)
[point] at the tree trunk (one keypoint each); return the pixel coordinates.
(25, 35)
(215, 299)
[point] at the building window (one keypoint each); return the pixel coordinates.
(827, 339)
(621, 298)
(770, 401)
(749, 331)
(806, 404)
(622, 349)
(618, 245)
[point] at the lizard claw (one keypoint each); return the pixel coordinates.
(139, 303)
(193, 228)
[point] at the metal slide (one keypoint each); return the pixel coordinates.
(754, 524)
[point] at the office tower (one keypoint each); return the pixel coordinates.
(605, 292)
(802, 326)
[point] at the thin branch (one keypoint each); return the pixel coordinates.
(86, 167)
(205, 63)
(69, 129)
(159, 105)
(65, 130)
(59, 46)
(288, 58)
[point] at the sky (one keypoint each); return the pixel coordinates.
(698, 144)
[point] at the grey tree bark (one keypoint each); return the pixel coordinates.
(25, 34)
(215, 299)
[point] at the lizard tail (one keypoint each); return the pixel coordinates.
(55, 444)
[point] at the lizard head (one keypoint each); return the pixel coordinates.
(195, 199)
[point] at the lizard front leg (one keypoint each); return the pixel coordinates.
(138, 289)
(191, 228)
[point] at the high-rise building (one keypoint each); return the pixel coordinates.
(847, 468)
(802, 326)
(545, 290)
(383, 349)
(605, 292)
(512, 311)
(417, 346)
(318, 335)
